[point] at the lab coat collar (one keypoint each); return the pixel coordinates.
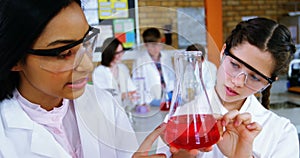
(162, 56)
(40, 145)
(11, 108)
(250, 105)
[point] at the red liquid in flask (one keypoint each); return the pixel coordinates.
(192, 131)
(165, 106)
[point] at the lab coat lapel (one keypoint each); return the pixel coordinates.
(152, 76)
(5, 143)
(48, 147)
(42, 141)
(88, 141)
(96, 133)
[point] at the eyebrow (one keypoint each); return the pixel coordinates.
(60, 42)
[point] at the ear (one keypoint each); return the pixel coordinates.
(277, 78)
(17, 67)
(222, 51)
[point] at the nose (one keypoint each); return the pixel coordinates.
(85, 64)
(240, 79)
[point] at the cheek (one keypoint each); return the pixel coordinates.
(47, 79)
(151, 49)
(220, 81)
(158, 48)
(44, 80)
(221, 76)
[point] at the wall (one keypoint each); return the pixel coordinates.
(233, 11)
(158, 13)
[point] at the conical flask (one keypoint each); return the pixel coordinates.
(190, 123)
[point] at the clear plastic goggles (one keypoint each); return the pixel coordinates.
(238, 69)
(69, 56)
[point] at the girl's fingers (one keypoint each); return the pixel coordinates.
(235, 117)
(150, 139)
(229, 116)
(173, 150)
(244, 118)
(254, 126)
(182, 153)
(139, 155)
(220, 127)
(206, 149)
(146, 145)
(194, 152)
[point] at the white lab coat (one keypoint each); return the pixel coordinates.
(104, 130)
(103, 79)
(145, 67)
(278, 138)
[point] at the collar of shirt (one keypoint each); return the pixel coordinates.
(51, 118)
(60, 121)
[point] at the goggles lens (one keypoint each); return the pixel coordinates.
(235, 69)
(68, 57)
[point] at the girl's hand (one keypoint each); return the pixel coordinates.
(240, 132)
(183, 153)
(145, 147)
(132, 96)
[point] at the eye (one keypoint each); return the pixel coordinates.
(235, 65)
(66, 54)
(254, 77)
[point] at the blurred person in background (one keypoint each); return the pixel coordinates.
(112, 74)
(209, 70)
(154, 65)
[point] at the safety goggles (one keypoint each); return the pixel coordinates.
(238, 69)
(69, 56)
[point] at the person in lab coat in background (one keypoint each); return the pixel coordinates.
(154, 65)
(46, 108)
(209, 69)
(111, 74)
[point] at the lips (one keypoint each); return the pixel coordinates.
(230, 92)
(78, 84)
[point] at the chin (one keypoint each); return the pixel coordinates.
(222, 94)
(75, 94)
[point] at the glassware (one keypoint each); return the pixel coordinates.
(141, 105)
(191, 123)
(165, 102)
(129, 104)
